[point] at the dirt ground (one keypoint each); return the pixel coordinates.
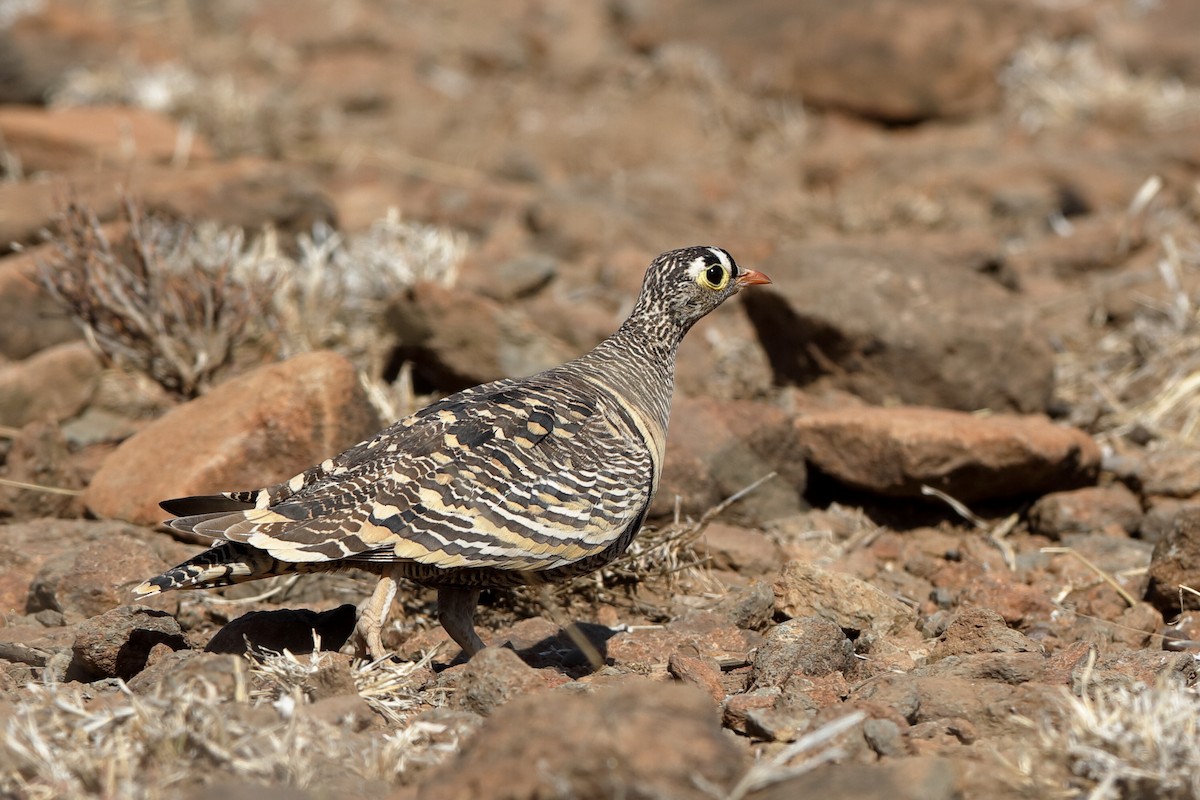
(929, 524)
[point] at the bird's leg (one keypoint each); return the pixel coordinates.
(368, 631)
(456, 612)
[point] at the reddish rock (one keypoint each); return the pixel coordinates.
(1170, 471)
(181, 670)
(1157, 40)
(119, 643)
(743, 550)
(30, 321)
(617, 742)
(246, 193)
(1160, 517)
(1016, 602)
(249, 432)
(87, 136)
(750, 607)
(811, 646)
(803, 590)
(39, 455)
(894, 451)
(723, 359)
(96, 567)
(883, 60)
(930, 698)
(1175, 563)
(894, 323)
(717, 448)
(703, 673)
(456, 340)
(497, 675)
(974, 629)
(1093, 509)
(52, 385)
(927, 777)
(739, 708)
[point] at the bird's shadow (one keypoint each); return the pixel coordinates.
(578, 652)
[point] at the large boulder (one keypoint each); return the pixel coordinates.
(892, 324)
(255, 430)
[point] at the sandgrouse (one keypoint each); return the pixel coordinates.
(510, 483)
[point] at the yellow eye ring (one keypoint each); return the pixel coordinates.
(715, 278)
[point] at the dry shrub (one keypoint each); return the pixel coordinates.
(178, 302)
(168, 301)
(1128, 742)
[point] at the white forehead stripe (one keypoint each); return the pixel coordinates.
(696, 266)
(722, 256)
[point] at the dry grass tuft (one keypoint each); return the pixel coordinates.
(170, 301)
(1122, 741)
(1144, 375)
(62, 742)
(391, 688)
(1054, 83)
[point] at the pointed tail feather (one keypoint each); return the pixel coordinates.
(209, 503)
(223, 565)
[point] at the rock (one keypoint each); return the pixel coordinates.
(39, 455)
(913, 778)
(515, 278)
(1156, 40)
(345, 711)
(974, 629)
(621, 741)
(179, 672)
(246, 193)
(743, 550)
(739, 709)
(723, 359)
(812, 646)
(1170, 471)
(894, 451)
(497, 675)
(803, 590)
(1175, 563)
(650, 648)
(89, 136)
(30, 321)
(286, 629)
(119, 643)
(1112, 509)
(1161, 516)
(750, 607)
(930, 698)
(717, 448)
(896, 325)
(456, 340)
(252, 431)
(97, 571)
(51, 385)
(703, 673)
(887, 61)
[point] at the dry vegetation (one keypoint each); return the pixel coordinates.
(70, 742)
(180, 302)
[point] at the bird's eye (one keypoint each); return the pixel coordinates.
(714, 278)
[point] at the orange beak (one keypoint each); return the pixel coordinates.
(751, 277)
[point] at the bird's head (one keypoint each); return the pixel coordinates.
(681, 286)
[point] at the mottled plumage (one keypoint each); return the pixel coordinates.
(509, 483)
